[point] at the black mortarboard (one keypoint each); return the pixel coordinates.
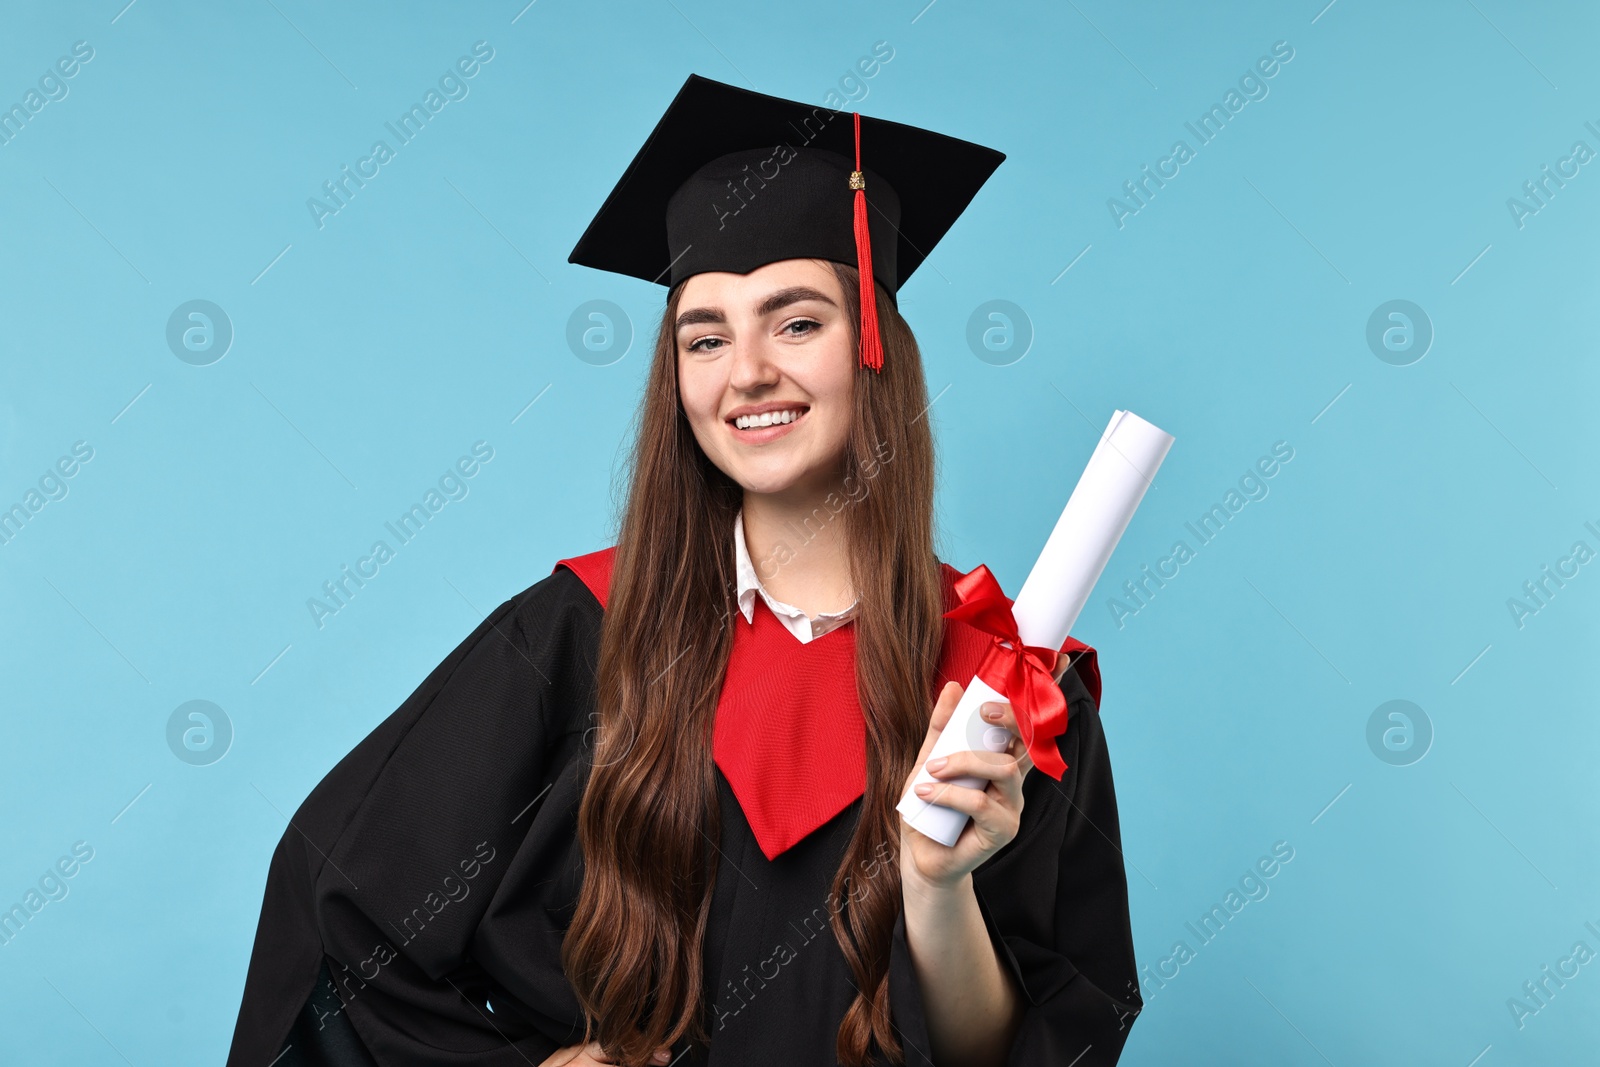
(730, 180)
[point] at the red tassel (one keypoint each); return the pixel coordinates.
(871, 345)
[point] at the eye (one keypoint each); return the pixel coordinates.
(813, 325)
(695, 347)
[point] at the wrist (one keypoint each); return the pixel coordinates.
(914, 885)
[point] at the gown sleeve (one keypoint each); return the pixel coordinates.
(380, 881)
(1055, 901)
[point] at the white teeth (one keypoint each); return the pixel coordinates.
(768, 418)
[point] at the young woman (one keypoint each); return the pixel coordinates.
(645, 813)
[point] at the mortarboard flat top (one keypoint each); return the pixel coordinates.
(730, 180)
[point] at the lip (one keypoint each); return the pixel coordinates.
(765, 433)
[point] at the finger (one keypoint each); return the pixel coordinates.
(1018, 744)
(1000, 713)
(1024, 758)
(1001, 768)
(961, 798)
(1004, 715)
(949, 697)
(996, 811)
(992, 766)
(571, 1056)
(994, 818)
(592, 1053)
(1063, 661)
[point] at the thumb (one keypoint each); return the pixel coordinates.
(949, 697)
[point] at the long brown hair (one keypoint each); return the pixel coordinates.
(633, 952)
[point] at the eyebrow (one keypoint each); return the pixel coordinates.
(780, 299)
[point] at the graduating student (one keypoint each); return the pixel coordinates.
(645, 812)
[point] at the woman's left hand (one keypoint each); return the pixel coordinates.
(996, 809)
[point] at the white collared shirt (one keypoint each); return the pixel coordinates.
(796, 621)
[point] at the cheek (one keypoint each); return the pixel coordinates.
(698, 395)
(838, 387)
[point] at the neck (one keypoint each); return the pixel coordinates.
(799, 548)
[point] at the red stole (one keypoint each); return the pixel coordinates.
(789, 734)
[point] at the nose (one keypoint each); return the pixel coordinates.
(753, 368)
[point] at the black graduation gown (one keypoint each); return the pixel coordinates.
(415, 906)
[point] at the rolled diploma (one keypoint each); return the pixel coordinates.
(1123, 464)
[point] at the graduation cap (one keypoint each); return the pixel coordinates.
(731, 180)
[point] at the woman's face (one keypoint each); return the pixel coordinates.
(774, 344)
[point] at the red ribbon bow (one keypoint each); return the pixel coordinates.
(1021, 672)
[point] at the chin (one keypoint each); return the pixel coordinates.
(771, 481)
(766, 485)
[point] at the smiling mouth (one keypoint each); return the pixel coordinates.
(768, 420)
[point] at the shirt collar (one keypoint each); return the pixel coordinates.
(750, 585)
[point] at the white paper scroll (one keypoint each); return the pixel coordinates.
(1119, 471)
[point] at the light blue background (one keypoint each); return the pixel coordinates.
(426, 315)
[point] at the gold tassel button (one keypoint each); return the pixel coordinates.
(858, 180)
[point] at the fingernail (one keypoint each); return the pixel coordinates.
(991, 712)
(661, 1056)
(924, 789)
(937, 763)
